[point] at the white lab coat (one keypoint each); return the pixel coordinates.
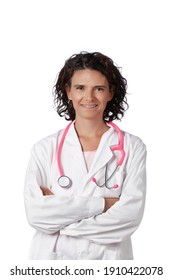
(71, 224)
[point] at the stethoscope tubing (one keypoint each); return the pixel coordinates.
(60, 149)
(106, 179)
(120, 147)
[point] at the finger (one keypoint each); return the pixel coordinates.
(46, 191)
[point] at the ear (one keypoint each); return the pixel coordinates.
(68, 92)
(111, 95)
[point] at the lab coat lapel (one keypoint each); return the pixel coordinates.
(74, 150)
(104, 153)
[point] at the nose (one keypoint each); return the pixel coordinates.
(89, 95)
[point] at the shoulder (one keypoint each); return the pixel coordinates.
(133, 142)
(46, 144)
(135, 150)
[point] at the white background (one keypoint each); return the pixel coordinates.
(36, 38)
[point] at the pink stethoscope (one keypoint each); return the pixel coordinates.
(65, 182)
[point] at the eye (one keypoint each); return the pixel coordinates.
(100, 89)
(79, 87)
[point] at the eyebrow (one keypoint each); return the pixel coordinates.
(103, 86)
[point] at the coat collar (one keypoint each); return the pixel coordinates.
(103, 153)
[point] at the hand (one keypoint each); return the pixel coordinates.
(109, 201)
(46, 191)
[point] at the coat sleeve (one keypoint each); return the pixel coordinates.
(51, 213)
(123, 218)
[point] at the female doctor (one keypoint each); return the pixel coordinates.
(85, 185)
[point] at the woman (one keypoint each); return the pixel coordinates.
(85, 185)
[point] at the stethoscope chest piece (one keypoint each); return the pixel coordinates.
(64, 181)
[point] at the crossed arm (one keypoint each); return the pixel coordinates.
(101, 220)
(108, 201)
(50, 213)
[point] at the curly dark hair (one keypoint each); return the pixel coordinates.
(95, 61)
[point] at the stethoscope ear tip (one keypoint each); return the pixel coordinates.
(94, 180)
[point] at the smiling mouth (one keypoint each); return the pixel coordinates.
(89, 106)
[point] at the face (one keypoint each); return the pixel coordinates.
(89, 93)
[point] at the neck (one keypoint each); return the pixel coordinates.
(89, 129)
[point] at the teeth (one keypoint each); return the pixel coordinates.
(89, 106)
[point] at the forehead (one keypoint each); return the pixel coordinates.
(88, 76)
